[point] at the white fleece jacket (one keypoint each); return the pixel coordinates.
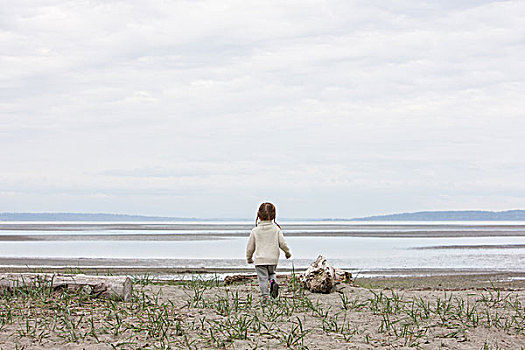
(265, 240)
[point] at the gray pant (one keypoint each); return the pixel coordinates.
(265, 273)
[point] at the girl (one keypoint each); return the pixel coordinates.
(265, 240)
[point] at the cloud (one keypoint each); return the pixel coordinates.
(234, 101)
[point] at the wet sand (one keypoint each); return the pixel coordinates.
(478, 246)
(72, 226)
(12, 232)
(216, 236)
(112, 237)
(161, 231)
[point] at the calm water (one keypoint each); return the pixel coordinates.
(490, 246)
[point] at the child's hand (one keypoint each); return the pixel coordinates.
(250, 261)
(288, 255)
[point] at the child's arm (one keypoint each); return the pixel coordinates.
(250, 248)
(284, 246)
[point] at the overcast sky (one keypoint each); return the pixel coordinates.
(208, 108)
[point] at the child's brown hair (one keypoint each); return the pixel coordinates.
(266, 212)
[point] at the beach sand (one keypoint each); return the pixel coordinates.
(468, 311)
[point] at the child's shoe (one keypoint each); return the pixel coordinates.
(274, 289)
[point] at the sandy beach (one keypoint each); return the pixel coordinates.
(180, 301)
(462, 312)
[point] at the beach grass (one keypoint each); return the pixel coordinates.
(204, 313)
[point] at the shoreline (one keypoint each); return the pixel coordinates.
(288, 228)
(395, 277)
(221, 236)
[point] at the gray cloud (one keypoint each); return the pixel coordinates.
(207, 108)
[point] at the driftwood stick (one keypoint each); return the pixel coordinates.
(112, 287)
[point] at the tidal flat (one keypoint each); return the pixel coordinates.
(359, 247)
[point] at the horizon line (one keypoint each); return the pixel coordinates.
(251, 219)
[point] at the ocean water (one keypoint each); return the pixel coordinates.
(374, 246)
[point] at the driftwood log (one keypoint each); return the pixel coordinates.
(238, 279)
(112, 287)
(319, 277)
